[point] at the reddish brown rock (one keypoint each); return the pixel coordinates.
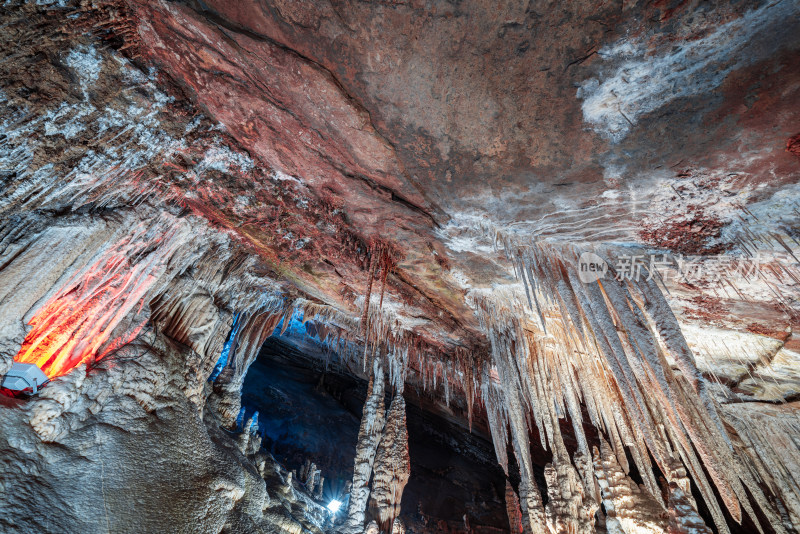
(793, 145)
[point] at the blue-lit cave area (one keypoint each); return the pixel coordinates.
(309, 409)
(399, 267)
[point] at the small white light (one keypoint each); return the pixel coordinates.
(334, 505)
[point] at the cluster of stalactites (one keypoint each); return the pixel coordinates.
(75, 325)
(100, 298)
(604, 347)
(768, 436)
(403, 351)
(382, 258)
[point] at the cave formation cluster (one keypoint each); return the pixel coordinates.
(156, 227)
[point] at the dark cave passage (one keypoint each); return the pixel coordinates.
(306, 412)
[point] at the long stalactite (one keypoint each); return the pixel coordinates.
(134, 260)
(625, 335)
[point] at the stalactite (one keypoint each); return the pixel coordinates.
(369, 434)
(392, 465)
(256, 327)
(767, 440)
(605, 346)
(74, 326)
(227, 348)
(497, 418)
(368, 295)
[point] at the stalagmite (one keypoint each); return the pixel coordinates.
(160, 218)
(249, 440)
(392, 465)
(310, 475)
(683, 518)
(512, 509)
(305, 470)
(320, 485)
(314, 478)
(570, 510)
(398, 527)
(369, 435)
(533, 518)
(628, 508)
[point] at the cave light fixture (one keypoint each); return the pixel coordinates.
(334, 506)
(23, 377)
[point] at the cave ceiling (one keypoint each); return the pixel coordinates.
(440, 128)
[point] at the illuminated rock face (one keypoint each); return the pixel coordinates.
(179, 179)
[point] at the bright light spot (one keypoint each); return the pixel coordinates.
(334, 505)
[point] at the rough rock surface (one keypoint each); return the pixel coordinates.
(177, 178)
(392, 465)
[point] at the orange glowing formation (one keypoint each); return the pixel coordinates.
(80, 323)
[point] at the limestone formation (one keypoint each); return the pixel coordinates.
(683, 517)
(575, 223)
(570, 510)
(512, 509)
(392, 467)
(628, 507)
(369, 435)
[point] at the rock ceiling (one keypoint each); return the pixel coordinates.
(424, 182)
(438, 126)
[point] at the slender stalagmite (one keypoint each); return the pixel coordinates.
(628, 508)
(369, 434)
(392, 465)
(512, 508)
